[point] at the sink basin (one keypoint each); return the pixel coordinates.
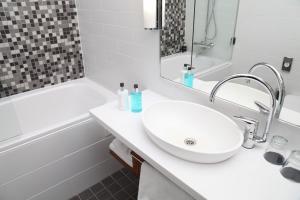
(192, 132)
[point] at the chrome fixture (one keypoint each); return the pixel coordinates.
(251, 134)
(280, 82)
(250, 131)
(262, 107)
(154, 14)
(204, 44)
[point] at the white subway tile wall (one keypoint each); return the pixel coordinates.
(116, 48)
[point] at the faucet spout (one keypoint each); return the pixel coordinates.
(281, 85)
(265, 85)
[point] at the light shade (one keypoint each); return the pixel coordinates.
(154, 11)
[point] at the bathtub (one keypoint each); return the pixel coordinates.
(53, 148)
(37, 113)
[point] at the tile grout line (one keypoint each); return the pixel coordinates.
(131, 195)
(105, 188)
(123, 188)
(132, 181)
(116, 182)
(95, 194)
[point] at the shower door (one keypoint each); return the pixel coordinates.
(214, 34)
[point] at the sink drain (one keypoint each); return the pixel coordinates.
(190, 141)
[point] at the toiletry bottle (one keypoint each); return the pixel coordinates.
(136, 99)
(183, 72)
(123, 98)
(189, 77)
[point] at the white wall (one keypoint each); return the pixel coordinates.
(117, 48)
(267, 31)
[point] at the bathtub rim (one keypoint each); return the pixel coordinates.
(107, 94)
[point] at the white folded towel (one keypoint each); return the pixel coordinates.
(122, 151)
(155, 186)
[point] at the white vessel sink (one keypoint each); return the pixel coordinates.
(192, 132)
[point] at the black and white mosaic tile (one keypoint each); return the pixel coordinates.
(39, 44)
(172, 37)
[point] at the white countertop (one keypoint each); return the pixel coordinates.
(246, 176)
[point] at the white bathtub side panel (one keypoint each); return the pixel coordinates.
(79, 182)
(9, 123)
(50, 175)
(35, 154)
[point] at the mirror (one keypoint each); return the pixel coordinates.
(204, 41)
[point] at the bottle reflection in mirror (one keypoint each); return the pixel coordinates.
(183, 72)
(189, 77)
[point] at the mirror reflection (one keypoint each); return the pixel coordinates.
(205, 41)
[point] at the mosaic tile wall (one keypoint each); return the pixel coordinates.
(172, 37)
(39, 44)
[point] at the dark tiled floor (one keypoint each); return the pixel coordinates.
(121, 185)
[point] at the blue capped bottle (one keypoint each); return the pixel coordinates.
(136, 99)
(189, 77)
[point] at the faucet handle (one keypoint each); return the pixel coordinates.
(262, 107)
(250, 133)
(247, 120)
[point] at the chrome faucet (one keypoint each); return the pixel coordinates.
(251, 136)
(280, 82)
